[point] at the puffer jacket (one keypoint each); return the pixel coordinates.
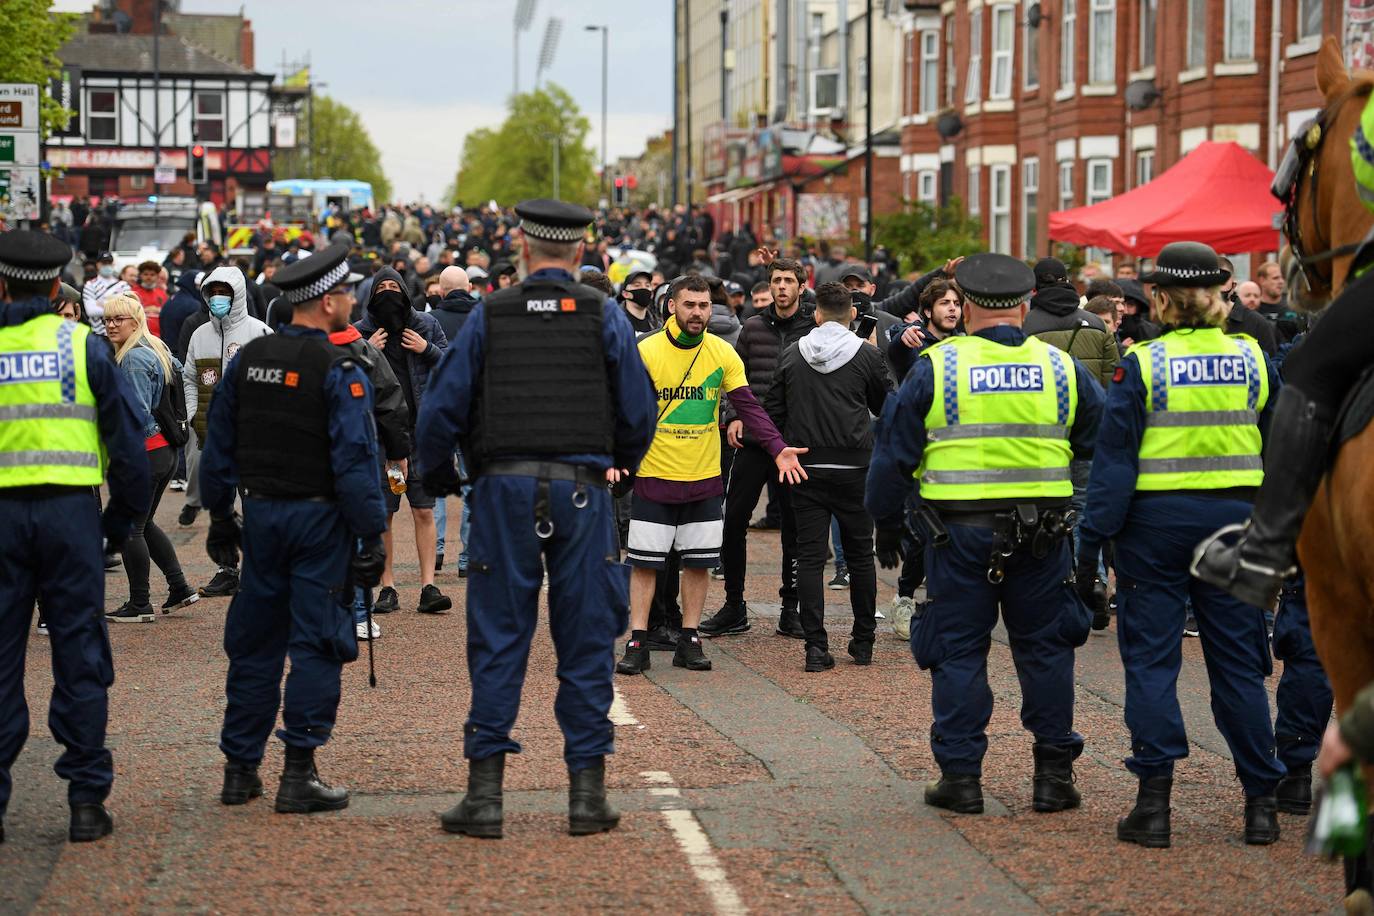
(724, 323)
(427, 326)
(762, 339)
(1055, 318)
(214, 344)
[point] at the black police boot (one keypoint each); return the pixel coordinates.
(1261, 820)
(636, 659)
(301, 790)
(961, 793)
(1148, 822)
(1294, 792)
(1053, 784)
(789, 622)
(588, 810)
(730, 620)
(818, 658)
(690, 654)
(1253, 568)
(241, 783)
(479, 813)
(89, 822)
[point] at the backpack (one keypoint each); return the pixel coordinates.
(170, 412)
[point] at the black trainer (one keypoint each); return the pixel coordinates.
(1294, 792)
(1053, 784)
(818, 659)
(128, 613)
(179, 598)
(789, 623)
(690, 655)
(861, 650)
(224, 584)
(663, 638)
(588, 810)
(957, 792)
(89, 822)
(188, 515)
(480, 812)
(387, 601)
(438, 562)
(1261, 821)
(636, 659)
(841, 580)
(301, 790)
(1148, 822)
(432, 601)
(730, 620)
(112, 560)
(241, 783)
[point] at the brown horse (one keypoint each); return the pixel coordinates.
(1337, 544)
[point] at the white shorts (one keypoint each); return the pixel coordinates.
(693, 529)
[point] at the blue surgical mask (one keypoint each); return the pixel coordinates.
(219, 305)
(107, 270)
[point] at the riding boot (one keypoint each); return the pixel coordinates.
(480, 812)
(301, 790)
(1053, 783)
(1253, 567)
(588, 810)
(1148, 822)
(1261, 820)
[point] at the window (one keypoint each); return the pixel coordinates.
(1032, 57)
(1030, 207)
(1309, 19)
(1144, 167)
(102, 116)
(925, 187)
(949, 61)
(974, 192)
(1099, 180)
(1197, 34)
(1149, 10)
(1003, 47)
(1068, 21)
(1240, 29)
(999, 238)
(973, 87)
(930, 72)
(209, 123)
(1066, 185)
(813, 42)
(1102, 44)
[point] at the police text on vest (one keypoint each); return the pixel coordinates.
(1013, 377)
(266, 375)
(1209, 369)
(32, 366)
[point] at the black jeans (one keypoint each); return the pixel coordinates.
(147, 541)
(748, 476)
(837, 492)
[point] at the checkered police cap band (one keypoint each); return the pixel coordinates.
(1188, 273)
(321, 286)
(30, 273)
(552, 233)
(996, 302)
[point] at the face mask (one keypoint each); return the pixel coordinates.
(107, 270)
(389, 308)
(434, 300)
(219, 305)
(642, 298)
(147, 284)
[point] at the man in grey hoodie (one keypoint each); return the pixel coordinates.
(826, 390)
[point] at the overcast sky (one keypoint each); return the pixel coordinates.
(422, 73)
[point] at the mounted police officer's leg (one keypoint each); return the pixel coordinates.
(322, 639)
(588, 610)
(1045, 623)
(504, 575)
(952, 641)
(67, 545)
(1303, 698)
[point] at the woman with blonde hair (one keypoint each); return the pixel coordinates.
(1178, 455)
(148, 366)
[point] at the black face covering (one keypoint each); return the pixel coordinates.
(643, 298)
(391, 309)
(434, 300)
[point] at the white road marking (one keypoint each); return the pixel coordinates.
(620, 713)
(689, 835)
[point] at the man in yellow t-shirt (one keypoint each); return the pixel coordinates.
(678, 488)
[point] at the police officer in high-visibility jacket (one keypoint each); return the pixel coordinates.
(65, 417)
(1179, 456)
(291, 426)
(987, 425)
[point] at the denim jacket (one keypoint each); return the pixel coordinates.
(143, 371)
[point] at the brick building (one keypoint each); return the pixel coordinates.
(1019, 108)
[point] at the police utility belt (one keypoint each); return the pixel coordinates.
(1025, 526)
(544, 473)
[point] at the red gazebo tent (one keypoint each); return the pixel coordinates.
(1217, 194)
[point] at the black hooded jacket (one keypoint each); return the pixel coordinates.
(453, 310)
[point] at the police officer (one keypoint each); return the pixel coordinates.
(1178, 456)
(987, 424)
(546, 392)
(64, 411)
(291, 425)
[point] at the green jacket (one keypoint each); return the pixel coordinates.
(1055, 318)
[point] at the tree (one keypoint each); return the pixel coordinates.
(514, 162)
(926, 236)
(30, 35)
(340, 148)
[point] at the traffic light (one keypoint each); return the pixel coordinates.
(620, 195)
(197, 169)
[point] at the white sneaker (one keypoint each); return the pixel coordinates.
(178, 485)
(42, 628)
(361, 630)
(900, 612)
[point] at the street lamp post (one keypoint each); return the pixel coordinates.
(605, 58)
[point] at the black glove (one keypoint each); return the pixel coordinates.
(223, 540)
(889, 547)
(116, 529)
(1091, 589)
(368, 564)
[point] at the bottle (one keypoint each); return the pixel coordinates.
(1338, 829)
(395, 478)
